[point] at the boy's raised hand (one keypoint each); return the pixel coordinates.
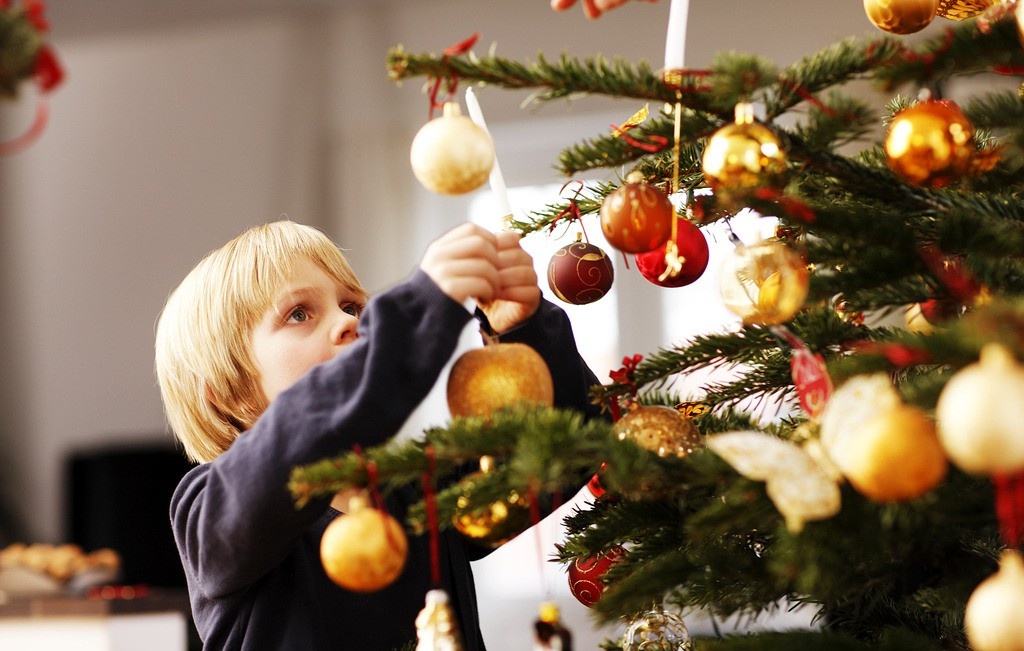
(518, 294)
(493, 269)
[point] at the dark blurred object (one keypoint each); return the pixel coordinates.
(118, 497)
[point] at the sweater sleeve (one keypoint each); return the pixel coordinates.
(234, 518)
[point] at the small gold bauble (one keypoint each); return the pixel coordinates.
(483, 380)
(661, 430)
(494, 524)
(743, 157)
(930, 144)
(765, 283)
(451, 154)
(981, 416)
(363, 550)
(901, 16)
(896, 456)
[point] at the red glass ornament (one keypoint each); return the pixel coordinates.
(585, 576)
(691, 247)
(637, 217)
(580, 273)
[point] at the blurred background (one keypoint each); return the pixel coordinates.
(182, 122)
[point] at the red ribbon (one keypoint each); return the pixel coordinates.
(951, 273)
(657, 143)
(430, 502)
(1010, 506)
(452, 50)
(625, 374)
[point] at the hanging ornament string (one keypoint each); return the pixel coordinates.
(1009, 489)
(453, 82)
(674, 261)
(372, 487)
(22, 142)
(430, 504)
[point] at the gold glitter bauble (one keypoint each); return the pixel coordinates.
(930, 143)
(451, 154)
(765, 283)
(743, 157)
(493, 524)
(486, 379)
(363, 550)
(901, 16)
(662, 430)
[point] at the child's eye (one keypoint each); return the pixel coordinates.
(298, 315)
(352, 308)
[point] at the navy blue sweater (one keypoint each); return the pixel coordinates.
(252, 560)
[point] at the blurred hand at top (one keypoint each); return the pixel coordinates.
(591, 8)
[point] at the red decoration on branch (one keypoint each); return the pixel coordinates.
(1010, 507)
(453, 83)
(625, 375)
(951, 273)
(430, 504)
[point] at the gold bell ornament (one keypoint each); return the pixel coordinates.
(436, 626)
(548, 632)
(451, 154)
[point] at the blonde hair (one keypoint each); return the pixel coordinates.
(208, 379)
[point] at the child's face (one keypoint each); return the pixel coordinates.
(312, 318)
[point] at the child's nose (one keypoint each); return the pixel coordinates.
(343, 330)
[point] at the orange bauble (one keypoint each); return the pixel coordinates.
(896, 456)
(496, 376)
(637, 217)
(363, 550)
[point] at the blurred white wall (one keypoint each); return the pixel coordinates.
(182, 122)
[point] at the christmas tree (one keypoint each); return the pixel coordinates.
(885, 315)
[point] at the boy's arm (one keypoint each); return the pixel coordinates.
(235, 519)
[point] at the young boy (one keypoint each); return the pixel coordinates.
(269, 357)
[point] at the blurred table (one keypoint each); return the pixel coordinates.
(155, 620)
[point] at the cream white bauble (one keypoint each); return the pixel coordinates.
(980, 414)
(451, 154)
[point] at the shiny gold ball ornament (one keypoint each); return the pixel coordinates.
(764, 283)
(930, 144)
(365, 549)
(743, 157)
(451, 154)
(493, 524)
(980, 414)
(661, 430)
(896, 456)
(992, 618)
(637, 216)
(496, 376)
(901, 16)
